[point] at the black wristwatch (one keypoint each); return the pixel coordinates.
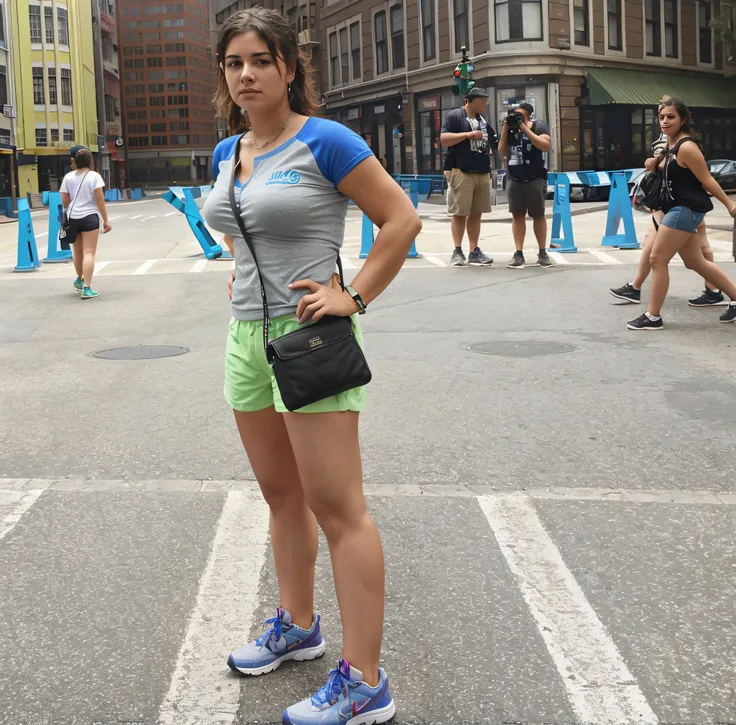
(358, 299)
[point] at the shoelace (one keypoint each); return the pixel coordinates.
(273, 634)
(328, 694)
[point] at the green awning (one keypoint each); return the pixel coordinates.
(611, 85)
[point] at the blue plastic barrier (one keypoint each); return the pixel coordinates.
(55, 253)
(422, 184)
(619, 209)
(561, 215)
(6, 207)
(27, 252)
(367, 232)
(136, 194)
(112, 195)
(182, 199)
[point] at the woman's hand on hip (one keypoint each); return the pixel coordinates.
(322, 301)
(230, 281)
(106, 227)
(732, 209)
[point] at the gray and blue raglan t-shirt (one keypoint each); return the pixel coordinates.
(291, 208)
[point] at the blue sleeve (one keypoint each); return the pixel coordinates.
(336, 149)
(223, 151)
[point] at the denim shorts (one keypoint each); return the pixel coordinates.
(683, 218)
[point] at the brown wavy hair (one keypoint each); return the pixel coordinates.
(282, 43)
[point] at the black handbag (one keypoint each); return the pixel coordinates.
(318, 361)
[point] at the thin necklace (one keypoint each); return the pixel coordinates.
(283, 128)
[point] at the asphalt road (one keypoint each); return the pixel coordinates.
(555, 495)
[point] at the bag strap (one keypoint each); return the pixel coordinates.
(76, 194)
(235, 207)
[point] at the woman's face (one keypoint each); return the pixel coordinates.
(254, 80)
(669, 120)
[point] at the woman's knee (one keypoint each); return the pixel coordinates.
(337, 514)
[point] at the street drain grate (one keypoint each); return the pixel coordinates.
(141, 352)
(521, 348)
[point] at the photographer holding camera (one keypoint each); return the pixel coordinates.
(523, 145)
(470, 139)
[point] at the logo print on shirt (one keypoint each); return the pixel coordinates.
(284, 177)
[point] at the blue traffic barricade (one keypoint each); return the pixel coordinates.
(562, 233)
(368, 230)
(619, 210)
(27, 252)
(182, 199)
(55, 253)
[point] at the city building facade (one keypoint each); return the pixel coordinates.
(7, 111)
(168, 80)
(54, 83)
(593, 69)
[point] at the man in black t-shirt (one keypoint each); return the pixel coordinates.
(526, 185)
(469, 138)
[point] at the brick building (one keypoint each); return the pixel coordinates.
(168, 79)
(593, 69)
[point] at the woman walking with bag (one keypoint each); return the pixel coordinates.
(687, 183)
(282, 190)
(84, 204)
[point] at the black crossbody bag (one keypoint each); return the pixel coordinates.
(317, 361)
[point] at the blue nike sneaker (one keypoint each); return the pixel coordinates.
(344, 700)
(280, 642)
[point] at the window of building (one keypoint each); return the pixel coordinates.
(397, 36)
(670, 29)
(48, 22)
(155, 75)
(176, 60)
(53, 98)
(41, 137)
(127, 50)
(380, 35)
(355, 50)
(460, 18)
(158, 127)
(138, 141)
(3, 83)
(581, 22)
(153, 49)
(156, 101)
(38, 95)
(54, 136)
(108, 49)
(518, 20)
(66, 87)
(2, 26)
(62, 20)
(155, 87)
(138, 50)
(334, 61)
(175, 47)
(173, 23)
(178, 113)
(158, 140)
(155, 62)
(152, 36)
(175, 74)
(152, 10)
(654, 27)
(344, 55)
(615, 34)
(179, 125)
(178, 100)
(173, 8)
(157, 114)
(428, 30)
(180, 140)
(69, 134)
(152, 25)
(34, 16)
(705, 16)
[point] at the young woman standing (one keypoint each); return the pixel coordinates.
(84, 201)
(690, 182)
(294, 175)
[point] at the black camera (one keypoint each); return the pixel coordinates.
(514, 120)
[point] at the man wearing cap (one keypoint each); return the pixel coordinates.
(469, 138)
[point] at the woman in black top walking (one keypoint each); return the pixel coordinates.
(690, 183)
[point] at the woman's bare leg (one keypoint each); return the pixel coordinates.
(88, 242)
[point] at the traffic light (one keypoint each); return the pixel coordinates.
(463, 75)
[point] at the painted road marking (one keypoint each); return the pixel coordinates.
(200, 692)
(434, 260)
(199, 266)
(13, 504)
(145, 267)
(99, 266)
(153, 216)
(599, 686)
(606, 258)
(171, 213)
(558, 258)
(137, 216)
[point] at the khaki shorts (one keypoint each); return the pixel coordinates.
(527, 198)
(468, 193)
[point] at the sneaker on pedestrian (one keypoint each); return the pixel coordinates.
(645, 322)
(88, 293)
(730, 314)
(478, 259)
(517, 261)
(78, 284)
(458, 258)
(344, 700)
(543, 259)
(627, 293)
(709, 298)
(282, 641)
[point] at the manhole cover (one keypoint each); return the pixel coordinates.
(521, 348)
(141, 352)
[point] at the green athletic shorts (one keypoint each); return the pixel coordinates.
(250, 384)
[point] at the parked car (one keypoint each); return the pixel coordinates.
(724, 172)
